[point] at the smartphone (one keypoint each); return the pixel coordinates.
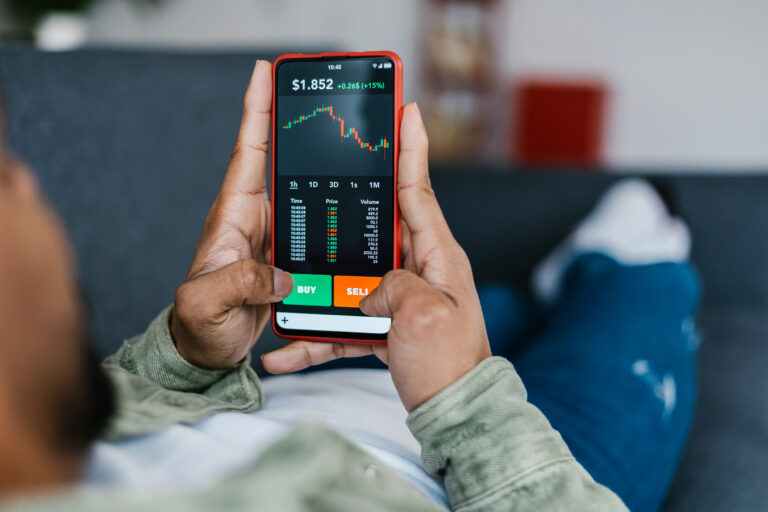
(335, 217)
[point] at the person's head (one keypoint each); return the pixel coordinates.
(54, 398)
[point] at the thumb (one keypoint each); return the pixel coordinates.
(419, 206)
(431, 248)
(242, 282)
(396, 288)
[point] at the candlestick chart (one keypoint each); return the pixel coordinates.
(345, 136)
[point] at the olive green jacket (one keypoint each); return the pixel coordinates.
(492, 449)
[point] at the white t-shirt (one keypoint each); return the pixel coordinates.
(360, 404)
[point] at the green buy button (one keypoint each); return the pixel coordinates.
(310, 290)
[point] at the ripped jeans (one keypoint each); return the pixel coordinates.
(612, 365)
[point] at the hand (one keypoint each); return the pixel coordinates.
(222, 307)
(438, 333)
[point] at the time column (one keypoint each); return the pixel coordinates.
(298, 227)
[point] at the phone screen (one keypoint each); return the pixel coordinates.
(333, 192)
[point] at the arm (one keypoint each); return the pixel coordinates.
(155, 387)
(497, 452)
(194, 358)
(494, 450)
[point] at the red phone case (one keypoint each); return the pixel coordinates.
(398, 101)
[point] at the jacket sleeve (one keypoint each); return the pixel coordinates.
(155, 387)
(497, 452)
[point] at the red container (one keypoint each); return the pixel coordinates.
(559, 122)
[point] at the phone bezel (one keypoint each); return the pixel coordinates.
(328, 336)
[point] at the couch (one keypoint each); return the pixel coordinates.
(131, 146)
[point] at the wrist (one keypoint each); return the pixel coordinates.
(453, 400)
(154, 356)
(188, 350)
(442, 379)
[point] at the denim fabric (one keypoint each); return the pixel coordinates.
(612, 365)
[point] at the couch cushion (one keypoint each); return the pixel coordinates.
(131, 148)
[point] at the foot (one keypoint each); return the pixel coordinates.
(630, 223)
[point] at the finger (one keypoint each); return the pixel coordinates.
(433, 252)
(406, 248)
(397, 287)
(303, 354)
(418, 203)
(244, 282)
(247, 169)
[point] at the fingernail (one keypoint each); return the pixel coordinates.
(283, 283)
(417, 108)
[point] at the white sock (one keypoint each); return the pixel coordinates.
(630, 223)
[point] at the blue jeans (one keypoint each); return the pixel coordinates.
(612, 366)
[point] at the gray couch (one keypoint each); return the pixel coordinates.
(131, 148)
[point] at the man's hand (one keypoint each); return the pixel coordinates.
(438, 333)
(222, 307)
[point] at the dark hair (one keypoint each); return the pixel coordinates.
(2, 116)
(84, 413)
(83, 417)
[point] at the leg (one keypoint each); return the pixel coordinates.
(509, 317)
(614, 371)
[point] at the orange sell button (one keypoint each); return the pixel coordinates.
(348, 291)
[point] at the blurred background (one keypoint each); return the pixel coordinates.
(127, 111)
(595, 84)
